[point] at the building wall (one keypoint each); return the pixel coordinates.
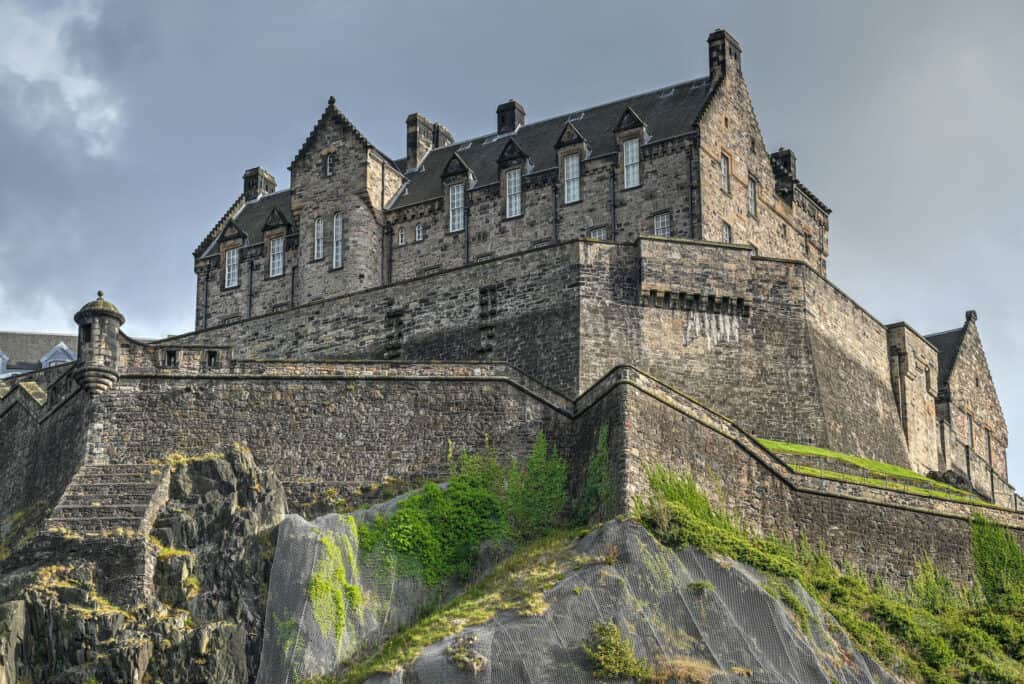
(913, 368)
(974, 409)
(793, 229)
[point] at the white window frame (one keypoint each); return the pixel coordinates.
(456, 208)
(662, 224)
(231, 267)
(276, 257)
(419, 232)
(514, 193)
(600, 233)
(318, 238)
(337, 245)
(401, 237)
(329, 165)
(571, 177)
(752, 196)
(631, 163)
(726, 232)
(725, 165)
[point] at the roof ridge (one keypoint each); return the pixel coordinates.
(558, 117)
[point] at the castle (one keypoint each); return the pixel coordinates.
(644, 264)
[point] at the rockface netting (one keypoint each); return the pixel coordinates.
(327, 599)
(658, 599)
(681, 609)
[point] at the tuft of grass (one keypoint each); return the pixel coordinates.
(613, 655)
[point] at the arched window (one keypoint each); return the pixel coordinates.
(336, 259)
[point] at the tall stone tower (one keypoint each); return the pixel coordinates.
(99, 323)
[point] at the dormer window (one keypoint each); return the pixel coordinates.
(724, 168)
(276, 257)
(329, 162)
(337, 255)
(571, 177)
(318, 238)
(456, 208)
(231, 268)
(513, 193)
(631, 163)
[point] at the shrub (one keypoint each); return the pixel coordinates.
(537, 491)
(596, 489)
(613, 654)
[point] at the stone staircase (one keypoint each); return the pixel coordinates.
(112, 498)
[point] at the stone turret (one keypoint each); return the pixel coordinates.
(99, 324)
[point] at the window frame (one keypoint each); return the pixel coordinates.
(275, 262)
(328, 165)
(726, 232)
(514, 196)
(752, 196)
(338, 242)
(630, 166)
(598, 233)
(725, 170)
(456, 211)
(232, 261)
(654, 223)
(401, 237)
(318, 238)
(419, 233)
(574, 181)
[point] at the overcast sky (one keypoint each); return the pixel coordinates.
(125, 127)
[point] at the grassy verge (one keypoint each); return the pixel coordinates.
(931, 631)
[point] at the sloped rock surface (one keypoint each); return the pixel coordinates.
(691, 616)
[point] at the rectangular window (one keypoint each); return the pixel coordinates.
(211, 358)
(456, 208)
(752, 196)
(329, 165)
(171, 358)
(599, 233)
(276, 257)
(419, 232)
(401, 237)
(337, 254)
(513, 193)
(231, 268)
(318, 238)
(726, 232)
(724, 163)
(631, 163)
(571, 176)
(663, 224)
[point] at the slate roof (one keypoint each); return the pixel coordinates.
(667, 112)
(26, 349)
(253, 217)
(948, 343)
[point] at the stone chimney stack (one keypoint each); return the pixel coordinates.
(723, 56)
(256, 183)
(511, 115)
(421, 136)
(99, 325)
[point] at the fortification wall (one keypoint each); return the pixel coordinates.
(42, 442)
(331, 425)
(881, 532)
(522, 310)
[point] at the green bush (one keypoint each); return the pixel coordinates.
(613, 654)
(597, 489)
(537, 491)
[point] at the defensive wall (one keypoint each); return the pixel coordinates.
(768, 342)
(341, 425)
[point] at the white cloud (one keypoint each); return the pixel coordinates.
(43, 86)
(38, 312)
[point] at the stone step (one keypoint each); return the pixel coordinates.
(106, 497)
(97, 524)
(73, 512)
(79, 488)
